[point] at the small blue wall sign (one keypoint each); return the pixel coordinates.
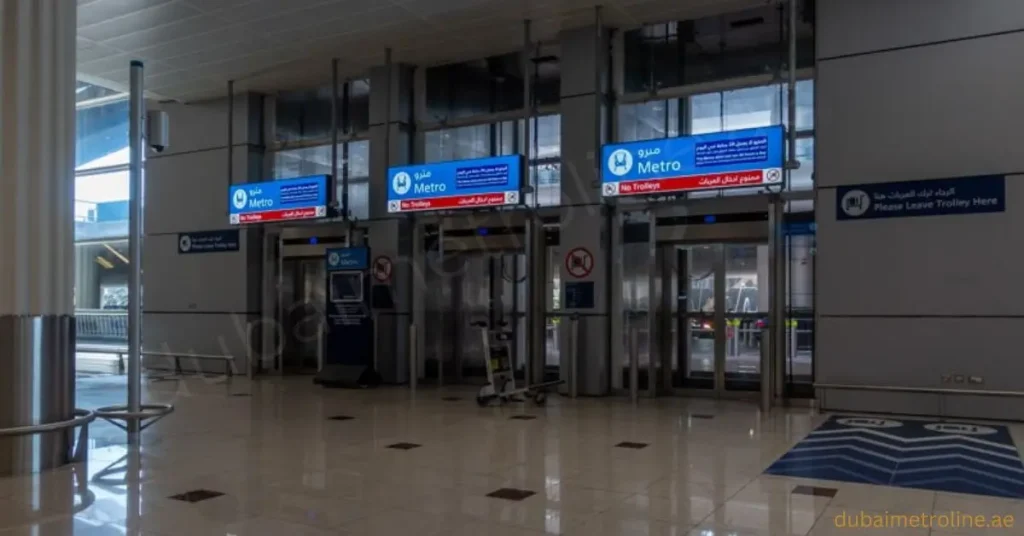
(935, 197)
(208, 241)
(348, 259)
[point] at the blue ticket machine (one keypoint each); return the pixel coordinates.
(348, 334)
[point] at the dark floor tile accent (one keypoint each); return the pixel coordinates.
(451, 399)
(522, 417)
(631, 445)
(815, 491)
(241, 394)
(511, 494)
(404, 446)
(197, 495)
(701, 416)
(340, 418)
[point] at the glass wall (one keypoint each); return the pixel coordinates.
(302, 133)
(504, 138)
(101, 164)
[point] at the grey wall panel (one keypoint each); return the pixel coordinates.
(211, 334)
(916, 352)
(859, 26)
(940, 265)
(940, 111)
(187, 192)
(194, 282)
(579, 166)
(204, 125)
(879, 402)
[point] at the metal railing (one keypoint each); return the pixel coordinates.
(97, 325)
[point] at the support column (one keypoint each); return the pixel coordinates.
(37, 258)
(584, 223)
(391, 236)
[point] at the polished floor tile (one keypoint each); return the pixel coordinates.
(284, 467)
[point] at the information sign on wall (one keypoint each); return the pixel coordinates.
(734, 159)
(208, 241)
(303, 198)
(935, 197)
(477, 183)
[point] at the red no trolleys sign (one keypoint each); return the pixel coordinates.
(382, 269)
(579, 262)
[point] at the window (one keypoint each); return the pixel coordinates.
(649, 120)
(101, 163)
(306, 115)
(353, 163)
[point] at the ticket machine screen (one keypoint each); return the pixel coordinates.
(347, 287)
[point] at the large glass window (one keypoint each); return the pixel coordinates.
(101, 163)
(745, 43)
(306, 115)
(353, 163)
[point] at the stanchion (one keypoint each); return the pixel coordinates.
(766, 371)
(574, 350)
(413, 369)
(634, 365)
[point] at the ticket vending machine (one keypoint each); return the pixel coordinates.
(348, 331)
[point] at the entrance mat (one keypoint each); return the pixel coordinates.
(932, 455)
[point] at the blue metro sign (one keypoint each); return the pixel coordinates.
(477, 183)
(738, 158)
(302, 198)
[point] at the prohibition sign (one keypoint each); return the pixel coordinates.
(579, 262)
(382, 269)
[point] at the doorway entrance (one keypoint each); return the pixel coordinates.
(303, 296)
(718, 298)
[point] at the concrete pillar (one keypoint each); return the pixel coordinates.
(584, 223)
(37, 257)
(390, 235)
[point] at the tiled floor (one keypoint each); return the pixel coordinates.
(286, 468)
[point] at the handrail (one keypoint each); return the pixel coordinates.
(82, 418)
(928, 390)
(121, 412)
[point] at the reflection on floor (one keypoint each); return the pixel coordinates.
(941, 456)
(280, 463)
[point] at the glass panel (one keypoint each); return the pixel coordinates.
(706, 113)
(458, 143)
(699, 322)
(800, 326)
(649, 120)
(746, 308)
(101, 136)
(752, 107)
(101, 205)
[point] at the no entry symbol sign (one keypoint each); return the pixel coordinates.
(579, 262)
(382, 269)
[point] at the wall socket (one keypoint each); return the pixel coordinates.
(976, 380)
(947, 378)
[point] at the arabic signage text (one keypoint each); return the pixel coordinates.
(208, 241)
(303, 198)
(478, 183)
(749, 157)
(936, 197)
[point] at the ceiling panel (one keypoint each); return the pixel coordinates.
(193, 47)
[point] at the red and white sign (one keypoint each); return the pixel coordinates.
(579, 262)
(695, 182)
(279, 215)
(454, 202)
(382, 269)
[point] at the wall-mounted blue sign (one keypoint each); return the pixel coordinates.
(936, 197)
(208, 241)
(304, 198)
(477, 183)
(348, 259)
(738, 158)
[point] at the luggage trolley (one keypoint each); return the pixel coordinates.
(501, 381)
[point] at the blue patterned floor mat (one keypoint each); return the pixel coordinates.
(938, 456)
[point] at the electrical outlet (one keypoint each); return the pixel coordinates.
(946, 378)
(958, 378)
(976, 380)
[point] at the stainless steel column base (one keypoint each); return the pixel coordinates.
(37, 393)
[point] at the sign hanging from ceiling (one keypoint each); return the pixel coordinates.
(303, 198)
(734, 159)
(461, 184)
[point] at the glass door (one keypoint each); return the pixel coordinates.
(721, 304)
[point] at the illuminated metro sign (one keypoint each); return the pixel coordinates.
(460, 184)
(734, 159)
(303, 198)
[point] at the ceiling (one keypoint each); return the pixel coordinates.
(191, 48)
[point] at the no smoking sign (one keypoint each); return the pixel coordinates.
(382, 267)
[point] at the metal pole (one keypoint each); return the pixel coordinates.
(634, 363)
(231, 132)
(376, 339)
(574, 345)
(766, 367)
(440, 257)
(413, 365)
(135, 153)
(532, 307)
(334, 140)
